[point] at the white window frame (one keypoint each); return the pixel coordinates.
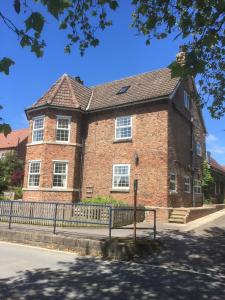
(197, 187)
(34, 130)
(120, 187)
(39, 173)
(187, 101)
(187, 184)
(198, 149)
(173, 181)
(66, 174)
(68, 129)
(126, 126)
(217, 188)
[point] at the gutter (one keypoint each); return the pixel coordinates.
(166, 97)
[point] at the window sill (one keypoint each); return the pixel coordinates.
(173, 192)
(119, 190)
(31, 188)
(62, 142)
(122, 141)
(35, 143)
(51, 189)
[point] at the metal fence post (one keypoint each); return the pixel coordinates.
(110, 223)
(154, 224)
(10, 215)
(55, 217)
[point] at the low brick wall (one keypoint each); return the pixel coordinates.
(115, 249)
(64, 243)
(162, 214)
(199, 212)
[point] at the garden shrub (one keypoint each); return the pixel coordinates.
(104, 200)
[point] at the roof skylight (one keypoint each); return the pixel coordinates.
(123, 89)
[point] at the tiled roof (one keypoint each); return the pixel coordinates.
(67, 92)
(142, 87)
(13, 138)
(215, 165)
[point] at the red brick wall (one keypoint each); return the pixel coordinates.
(161, 139)
(49, 151)
(149, 141)
(180, 147)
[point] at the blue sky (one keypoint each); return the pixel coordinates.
(121, 53)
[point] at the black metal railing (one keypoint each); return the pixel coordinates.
(57, 214)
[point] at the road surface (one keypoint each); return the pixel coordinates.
(189, 266)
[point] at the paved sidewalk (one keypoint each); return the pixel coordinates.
(163, 229)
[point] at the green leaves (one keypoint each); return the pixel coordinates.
(17, 6)
(57, 7)
(5, 64)
(5, 128)
(35, 22)
(201, 24)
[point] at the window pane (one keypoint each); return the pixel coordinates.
(59, 180)
(60, 174)
(62, 135)
(121, 170)
(35, 167)
(60, 168)
(121, 176)
(38, 135)
(123, 132)
(34, 180)
(121, 181)
(123, 121)
(39, 123)
(63, 123)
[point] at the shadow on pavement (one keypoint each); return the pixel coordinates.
(187, 267)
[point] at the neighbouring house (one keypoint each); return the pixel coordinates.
(88, 141)
(14, 142)
(217, 188)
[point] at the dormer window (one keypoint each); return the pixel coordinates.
(63, 129)
(187, 102)
(38, 129)
(123, 89)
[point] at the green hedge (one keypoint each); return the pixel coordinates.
(104, 200)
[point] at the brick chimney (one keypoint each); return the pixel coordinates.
(78, 79)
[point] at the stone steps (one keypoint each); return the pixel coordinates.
(178, 216)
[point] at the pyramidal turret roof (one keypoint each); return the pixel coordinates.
(66, 92)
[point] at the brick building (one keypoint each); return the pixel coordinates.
(217, 188)
(14, 142)
(88, 141)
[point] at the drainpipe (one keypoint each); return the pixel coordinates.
(192, 161)
(81, 167)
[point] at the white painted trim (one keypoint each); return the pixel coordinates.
(131, 125)
(89, 102)
(55, 143)
(175, 90)
(63, 174)
(60, 160)
(69, 128)
(33, 130)
(30, 162)
(175, 181)
(187, 177)
(116, 188)
(198, 185)
(50, 190)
